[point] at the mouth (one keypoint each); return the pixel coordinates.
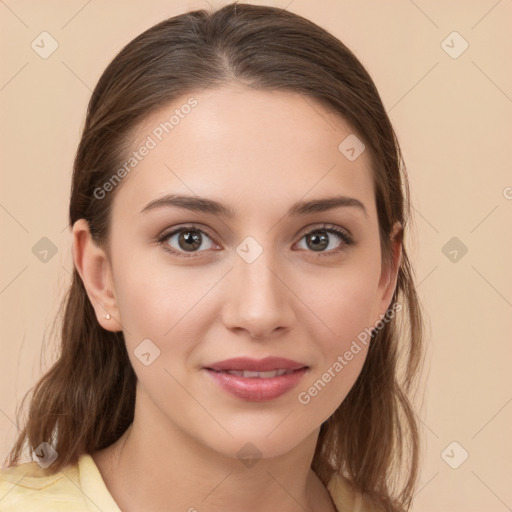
(261, 367)
(259, 375)
(256, 380)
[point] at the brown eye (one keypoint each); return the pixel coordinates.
(318, 241)
(322, 240)
(185, 240)
(189, 240)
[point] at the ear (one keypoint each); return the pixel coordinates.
(93, 265)
(389, 274)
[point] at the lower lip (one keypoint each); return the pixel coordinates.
(256, 389)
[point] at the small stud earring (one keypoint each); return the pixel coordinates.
(107, 316)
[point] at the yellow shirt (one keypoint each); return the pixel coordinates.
(80, 488)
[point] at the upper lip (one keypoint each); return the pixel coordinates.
(256, 365)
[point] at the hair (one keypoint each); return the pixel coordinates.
(86, 400)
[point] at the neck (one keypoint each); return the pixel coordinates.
(157, 466)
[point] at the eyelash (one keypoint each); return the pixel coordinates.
(345, 237)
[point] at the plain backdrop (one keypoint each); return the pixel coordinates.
(443, 71)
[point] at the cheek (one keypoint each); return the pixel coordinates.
(342, 320)
(342, 301)
(342, 340)
(162, 303)
(152, 296)
(154, 307)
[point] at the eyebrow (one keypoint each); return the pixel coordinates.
(212, 207)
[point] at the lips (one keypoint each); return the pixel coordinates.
(257, 380)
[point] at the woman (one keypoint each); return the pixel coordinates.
(232, 333)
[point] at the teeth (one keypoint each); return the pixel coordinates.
(248, 373)
(260, 375)
(265, 375)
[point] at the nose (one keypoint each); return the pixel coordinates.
(259, 301)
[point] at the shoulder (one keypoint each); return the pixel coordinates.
(346, 498)
(28, 486)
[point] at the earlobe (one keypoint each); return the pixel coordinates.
(93, 265)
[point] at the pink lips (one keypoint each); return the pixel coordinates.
(257, 388)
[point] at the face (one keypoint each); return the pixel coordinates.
(192, 288)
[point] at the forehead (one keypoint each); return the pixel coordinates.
(255, 146)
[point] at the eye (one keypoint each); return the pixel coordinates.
(188, 239)
(318, 239)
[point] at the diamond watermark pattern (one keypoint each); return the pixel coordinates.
(44, 249)
(249, 455)
(44, 455)
(249, 249)
(454, 249)
(454, 455)
(454, 45)
(351, 147)
(44, 45)
(146, 352)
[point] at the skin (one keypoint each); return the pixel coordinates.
(258, 152)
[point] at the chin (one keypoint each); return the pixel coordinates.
(252, 443)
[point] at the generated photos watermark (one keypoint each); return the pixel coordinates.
(152, 140)
(304, 397)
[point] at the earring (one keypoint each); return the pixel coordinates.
(107, 316)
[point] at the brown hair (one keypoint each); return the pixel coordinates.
(86, 400)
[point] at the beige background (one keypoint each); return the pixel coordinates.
(453, 117)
